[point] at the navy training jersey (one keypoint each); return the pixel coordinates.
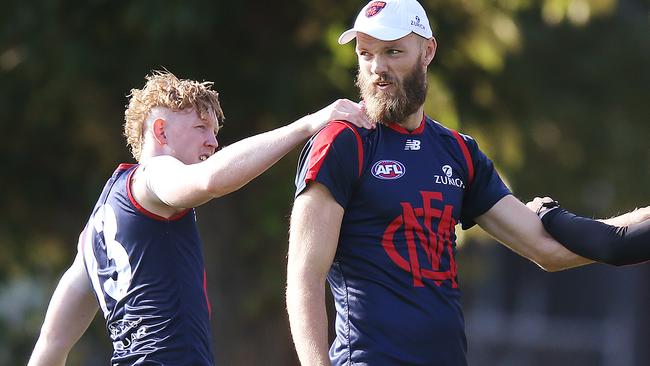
(149, 278)
(393, 277)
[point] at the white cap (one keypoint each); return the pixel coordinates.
(390, 20)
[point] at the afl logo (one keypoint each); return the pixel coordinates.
(374, 8)
(388, 169)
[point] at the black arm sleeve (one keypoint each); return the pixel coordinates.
(598, 241)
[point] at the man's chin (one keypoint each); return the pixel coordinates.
(384, 94)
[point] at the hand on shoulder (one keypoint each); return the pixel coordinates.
(341, 109)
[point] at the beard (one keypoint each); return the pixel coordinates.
(385, 107)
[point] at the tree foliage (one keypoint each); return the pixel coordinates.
(555, 91)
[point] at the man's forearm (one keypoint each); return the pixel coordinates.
(69, 314)
(236, 165)
(48, 353)
(630, 218)
(315, 224)
(517, 227)
(308, 320)
(239, 163)
(617, 245)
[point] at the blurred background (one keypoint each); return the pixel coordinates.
(555, 91)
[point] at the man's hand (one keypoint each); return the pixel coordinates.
(541, 206)
(342, 110)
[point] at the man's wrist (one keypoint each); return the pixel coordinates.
(547, 207)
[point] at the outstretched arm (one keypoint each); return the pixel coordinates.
(315, 224)
(630, 218)
(517, 227)
(72, 308)
(183, 186)
(626, 243)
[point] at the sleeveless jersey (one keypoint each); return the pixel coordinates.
(393, 277)
(149, 278)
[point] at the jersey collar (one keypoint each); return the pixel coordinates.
(399, 129)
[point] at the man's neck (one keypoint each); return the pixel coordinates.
(412, 122)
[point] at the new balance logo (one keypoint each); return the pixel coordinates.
(412, 145)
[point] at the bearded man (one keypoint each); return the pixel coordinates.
(375, 213)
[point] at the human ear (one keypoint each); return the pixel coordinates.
(430, 46)
(158, 130)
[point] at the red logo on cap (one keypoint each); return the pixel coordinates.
(374, 8)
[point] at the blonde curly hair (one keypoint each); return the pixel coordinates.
(164, 89)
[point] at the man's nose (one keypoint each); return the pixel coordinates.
(212, 141)
(378, 66)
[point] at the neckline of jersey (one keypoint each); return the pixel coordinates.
(399, 129)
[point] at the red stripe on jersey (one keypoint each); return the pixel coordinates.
(467, 155)
(322, 143)
(143, 210)
(359, 145)
(124, 166)
(205, 291)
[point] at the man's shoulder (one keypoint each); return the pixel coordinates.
(340, 132)
(153, 167)
(443, 130)
(338, 126)
(452, 136)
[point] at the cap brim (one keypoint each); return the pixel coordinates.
(347, 36)
(381, 33)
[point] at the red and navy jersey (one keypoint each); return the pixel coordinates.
(149, 278)
(393, 277)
